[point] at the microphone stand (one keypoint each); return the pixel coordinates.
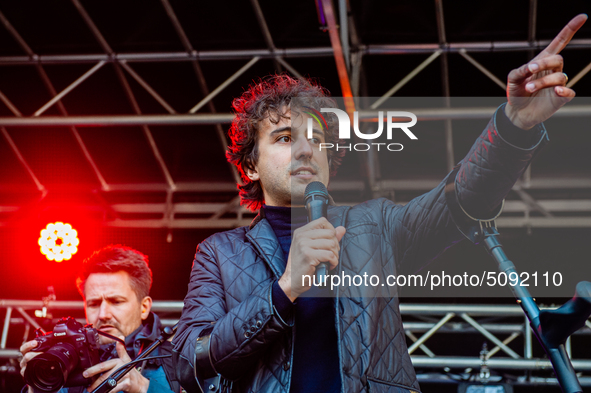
(551, 327)
(110, 383)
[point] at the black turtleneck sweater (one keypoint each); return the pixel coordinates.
(315, 353)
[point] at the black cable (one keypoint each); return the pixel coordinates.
(111, 382)
(133, 362)
(111, 337)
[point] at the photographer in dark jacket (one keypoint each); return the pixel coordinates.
(115, 283)
(264, 336)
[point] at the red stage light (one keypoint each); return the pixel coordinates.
(58, 241)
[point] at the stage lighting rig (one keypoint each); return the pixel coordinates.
(58, 241)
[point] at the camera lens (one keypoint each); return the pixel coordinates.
(49, 371)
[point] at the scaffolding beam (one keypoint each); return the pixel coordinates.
(302, 52)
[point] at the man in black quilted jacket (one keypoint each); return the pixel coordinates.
(249, 318)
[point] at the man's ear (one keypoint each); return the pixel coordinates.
(253, 174)
(146, 307)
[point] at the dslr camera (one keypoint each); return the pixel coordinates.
(68, 350)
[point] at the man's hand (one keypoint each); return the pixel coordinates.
(536, 90)
(132, 382)
(315, 242)
(28, 354)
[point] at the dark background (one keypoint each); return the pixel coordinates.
(194, 154)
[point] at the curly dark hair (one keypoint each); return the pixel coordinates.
(271, 97)
(115, 258)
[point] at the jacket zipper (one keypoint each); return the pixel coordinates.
(337, 317)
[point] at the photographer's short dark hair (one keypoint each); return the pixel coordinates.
(269, 98)
(115, 258)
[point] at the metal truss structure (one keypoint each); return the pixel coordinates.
(348, 53)
(544, 198)
(426, 326)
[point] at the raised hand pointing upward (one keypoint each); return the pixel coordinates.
(536, 90)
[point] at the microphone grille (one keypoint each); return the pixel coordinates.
(315, 187)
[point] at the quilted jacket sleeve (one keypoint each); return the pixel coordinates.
(423, 228)
(237, 336)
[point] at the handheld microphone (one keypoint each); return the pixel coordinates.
(316, 201)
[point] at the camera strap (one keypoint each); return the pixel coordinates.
(111, 337)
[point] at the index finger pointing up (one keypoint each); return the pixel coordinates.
(566, 34)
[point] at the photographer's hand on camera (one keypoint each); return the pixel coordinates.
(27, 351)
(132, 382)
(315, 242)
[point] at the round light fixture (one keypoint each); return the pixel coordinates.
(58, 241)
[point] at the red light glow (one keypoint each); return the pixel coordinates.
(58, 241)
